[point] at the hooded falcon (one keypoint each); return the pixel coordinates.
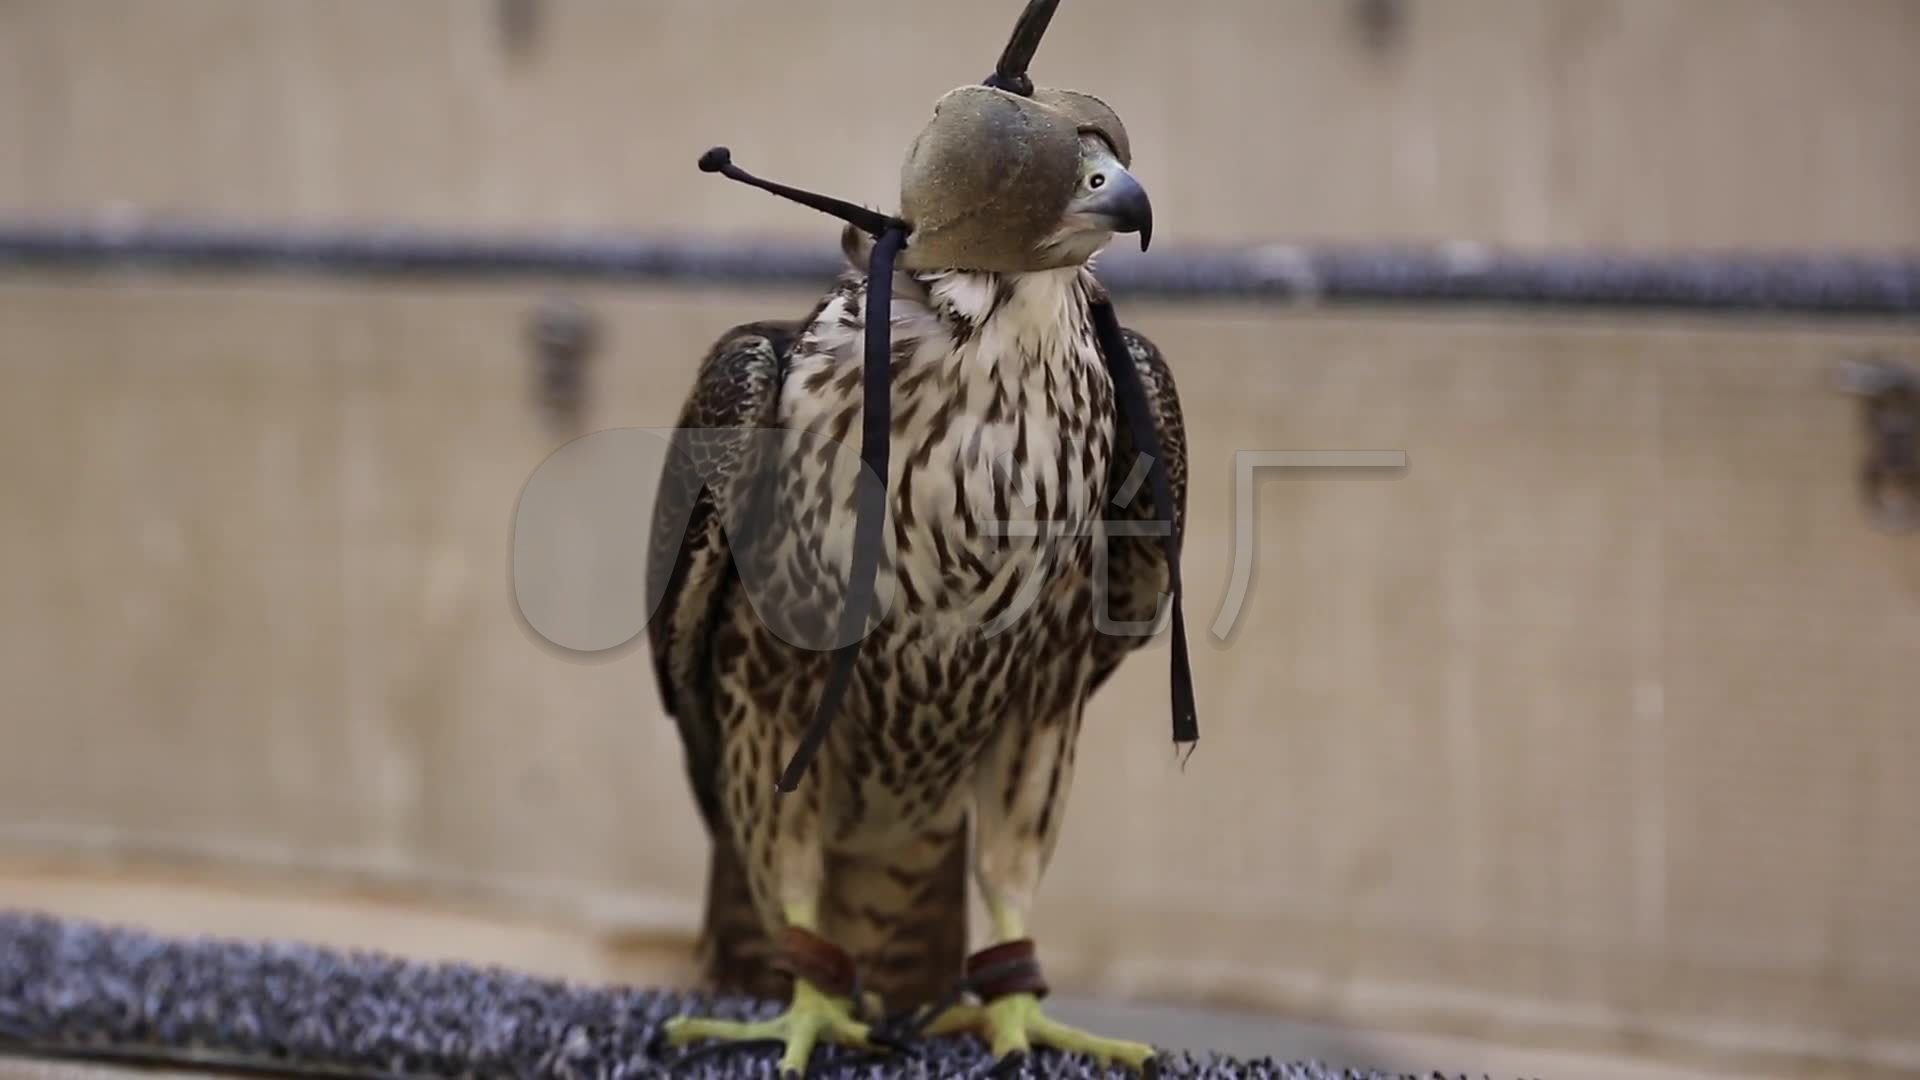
(1001, 576)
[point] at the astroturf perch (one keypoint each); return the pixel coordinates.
(954, 598)
(84, 992)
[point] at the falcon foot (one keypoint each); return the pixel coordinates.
(1015, 1025)
(811, 1018)
(1007, 978)
(822, 1010)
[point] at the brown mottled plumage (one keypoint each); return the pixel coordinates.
(967, 697)
(994, 547)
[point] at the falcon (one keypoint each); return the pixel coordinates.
(1001, 573)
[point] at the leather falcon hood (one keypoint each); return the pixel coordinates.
(990, 176)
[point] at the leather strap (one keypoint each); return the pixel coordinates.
(806, 955)
(1011, 967)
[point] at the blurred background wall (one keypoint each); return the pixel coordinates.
(1597, 727)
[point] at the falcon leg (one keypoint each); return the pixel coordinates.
(1013, 1021)
(1018, 799)
(821, 1009)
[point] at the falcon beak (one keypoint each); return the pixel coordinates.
(1124, 203)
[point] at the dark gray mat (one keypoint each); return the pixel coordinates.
(77, 989)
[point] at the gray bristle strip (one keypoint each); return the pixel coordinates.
(75, 989)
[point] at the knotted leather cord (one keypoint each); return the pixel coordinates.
(870, 489)
(876, 426)
(1130, 399)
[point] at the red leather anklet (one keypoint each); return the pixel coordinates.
(806, 955)
(1010, 967)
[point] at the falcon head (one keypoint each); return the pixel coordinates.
(1106, 200)
(1011, 183)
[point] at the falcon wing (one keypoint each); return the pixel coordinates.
(1136, 567)
(709, 480)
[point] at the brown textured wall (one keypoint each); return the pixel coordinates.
(1710, 122)
(1598, 718)
(1595, 725)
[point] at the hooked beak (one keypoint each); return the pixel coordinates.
(1124, 203)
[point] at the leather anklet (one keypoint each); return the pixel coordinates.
(806, 955)
(1011, 967)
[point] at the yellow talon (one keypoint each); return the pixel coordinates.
(1015, 1024)
(811, 1017)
